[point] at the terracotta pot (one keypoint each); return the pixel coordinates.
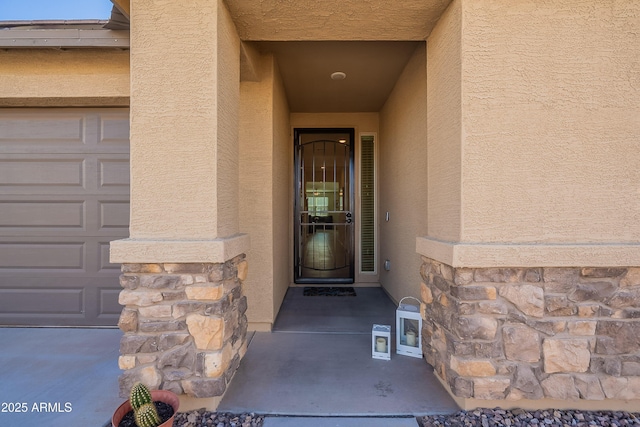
(168, 397)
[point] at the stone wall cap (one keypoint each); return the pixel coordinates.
(145, 251)
(513, 254)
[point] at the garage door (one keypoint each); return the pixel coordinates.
(64, 195)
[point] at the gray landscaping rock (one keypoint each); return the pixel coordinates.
(522, 418)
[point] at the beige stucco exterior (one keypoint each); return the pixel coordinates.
(49, 78)
(444, 130)
(183, 99)
(550, 123)
(265, 156)
(192, 118)
(509, 139)
(335, 19)
(546, 125)
(532, 120)
(403, 177)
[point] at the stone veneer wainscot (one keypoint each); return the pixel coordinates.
(185, 326)
(533, 333)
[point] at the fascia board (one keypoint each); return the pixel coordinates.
(64, 38)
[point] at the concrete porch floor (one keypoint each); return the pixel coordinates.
(318, 362)
(314, 370)
(331, 375)
(58, 376)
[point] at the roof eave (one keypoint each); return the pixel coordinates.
(61, 37)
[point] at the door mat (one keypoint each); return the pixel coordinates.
(320, 291)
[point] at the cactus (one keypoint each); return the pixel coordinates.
(139, 396)
(144, 409)
(147, 416)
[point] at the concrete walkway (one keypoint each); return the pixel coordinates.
(340, 422)
(314, 372)
(324, 374)
(58, 377)
(69, 377)
(317, 363)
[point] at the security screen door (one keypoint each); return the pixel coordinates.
(324, 228)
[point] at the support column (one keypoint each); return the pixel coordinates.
(184, 325)
(531, 274)
(560, 333)
(184, 263)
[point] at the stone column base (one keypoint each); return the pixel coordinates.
(567, 334)
(469, 404)
(184, 324)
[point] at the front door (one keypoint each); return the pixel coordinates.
(324, 229)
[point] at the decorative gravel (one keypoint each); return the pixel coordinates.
(204, 418)
(521, 417)
(480, 417)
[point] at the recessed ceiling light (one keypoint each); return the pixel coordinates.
(338, 75)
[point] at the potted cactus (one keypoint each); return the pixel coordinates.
(141, 409)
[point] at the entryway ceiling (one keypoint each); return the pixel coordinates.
(371, 68)
(369, 40)
(284, 20)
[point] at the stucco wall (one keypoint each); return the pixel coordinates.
(548, 130)
(362, 122)
(184, 150)
(551, 110)
(403, 178)
(336, 19)
(227, 104)
(444, 131)
(282, 176)
(256, 201)
(75, 77)
(264, 191)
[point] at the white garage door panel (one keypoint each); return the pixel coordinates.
(64, 195)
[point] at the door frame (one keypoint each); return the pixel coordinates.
(352, 197)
